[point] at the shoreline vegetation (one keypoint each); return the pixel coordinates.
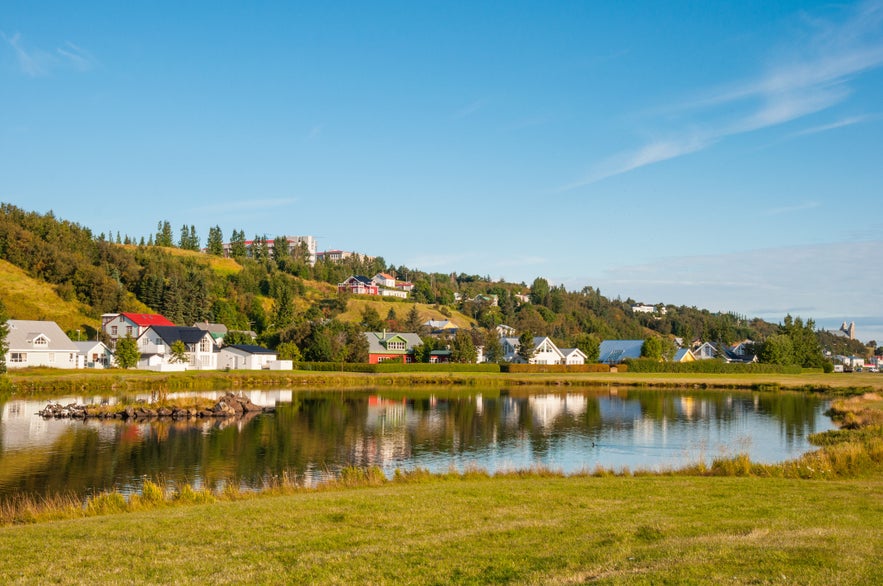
(37, 382)
(811, 520)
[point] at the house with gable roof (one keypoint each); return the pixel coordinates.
(391, 346)
(544, 351)
(155, 345)
(94, 354)
(683, 355)
(39, 343)
(358, 285)
(573, 356)
(245, 357)
(121, 325)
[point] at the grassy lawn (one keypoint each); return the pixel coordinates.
(543, 530)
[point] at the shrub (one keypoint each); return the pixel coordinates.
(554, 368)
(708, 367)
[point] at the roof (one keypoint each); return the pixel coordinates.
(23, 331)
(171, 334)
(385, 276)
(83, 347)
(377, 341)
(679, 355)
(614, 351)
(569, 351)
(213, 329)
(147, 319)
(250, 349)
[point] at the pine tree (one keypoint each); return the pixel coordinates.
(215, 242)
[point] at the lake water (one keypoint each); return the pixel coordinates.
(313, 434)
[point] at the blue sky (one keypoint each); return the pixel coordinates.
(727, 155)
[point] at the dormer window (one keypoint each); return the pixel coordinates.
(395, 345)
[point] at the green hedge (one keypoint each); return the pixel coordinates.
(389, 367)
(444, 367)
(708, 367)
(555, 368)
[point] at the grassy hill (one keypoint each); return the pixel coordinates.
(29, 298)
(356, 307)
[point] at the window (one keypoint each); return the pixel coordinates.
(41, 341)
(114, 331)
(395, 345)
(18, 357)
(52, 357)
(128, 330)
(204, 345)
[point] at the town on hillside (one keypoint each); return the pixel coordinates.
(272, 303)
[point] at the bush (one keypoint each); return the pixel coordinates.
(554, 368)
(708, 367)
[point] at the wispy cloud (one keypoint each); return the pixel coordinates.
(32, 62)
(35, 62)
(470, 109)
(813, 81)
(79, 58)
(809, 280)
(834, 125)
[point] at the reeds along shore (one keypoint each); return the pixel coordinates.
(46, 381)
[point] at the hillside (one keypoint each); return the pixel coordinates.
(58, 270)
(29, 298)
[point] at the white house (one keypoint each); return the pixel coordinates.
(94, 354)
(705, 351)
(544, 351)
(573, 356)
(39, 343)
(155, 345)
(245, 357)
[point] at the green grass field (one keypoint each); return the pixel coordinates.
(816, 520)
(540, 530)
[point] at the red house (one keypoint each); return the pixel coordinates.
(358, 285)
(121, 325)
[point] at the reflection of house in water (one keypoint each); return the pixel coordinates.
(21, 427)
(547, 408)
(387, 419)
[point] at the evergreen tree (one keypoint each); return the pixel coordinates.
(412, 321)
(237, 244)
(280, 248)
(526, 348)
(463, 348)
(371, 319)
(215, 242)
(284, 308)
(493, 348)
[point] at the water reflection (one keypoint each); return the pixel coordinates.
(314, 434)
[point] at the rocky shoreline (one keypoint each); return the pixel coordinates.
(227, 406)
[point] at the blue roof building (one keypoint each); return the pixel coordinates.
(615, 351)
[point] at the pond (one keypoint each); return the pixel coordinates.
(313, 434)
